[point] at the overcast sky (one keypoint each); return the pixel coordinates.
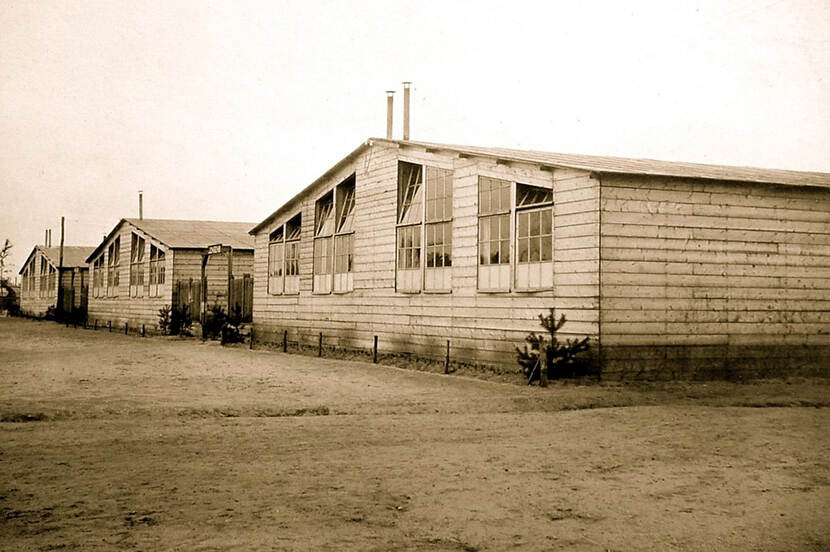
(224, 110)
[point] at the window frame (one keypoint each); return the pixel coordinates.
(137, 256)
(113, 267)
(271, 278)
(157, 269)
(514, 211)
(420, 279)
(343, 282)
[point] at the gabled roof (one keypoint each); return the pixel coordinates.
(188, 234)
(73, 255)
(592, 163)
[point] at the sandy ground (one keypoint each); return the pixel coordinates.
(163, 444)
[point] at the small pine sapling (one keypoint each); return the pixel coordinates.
(544, 356)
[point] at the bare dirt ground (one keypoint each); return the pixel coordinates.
(112, 442)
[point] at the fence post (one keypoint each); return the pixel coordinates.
(95, 325)
(109, 325)
(251, 339)
(126, 328)
(447, 361)
(375, 350)
(320, 345)
(143, 331)
(285, 341)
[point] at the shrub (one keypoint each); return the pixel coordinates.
(545, 352)
(51, 313)
(175, 321)
(215, 321)
(230, 330)
(164, 319)
(181, 320)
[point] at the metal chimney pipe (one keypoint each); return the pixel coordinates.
(45, 237)
(140, 204)
(49, 238)
(406, 110)
(389, 112)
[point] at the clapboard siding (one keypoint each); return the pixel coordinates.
(482, 327)
(703, 278)
(187, 265)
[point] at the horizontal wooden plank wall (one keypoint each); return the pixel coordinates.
(483, 327)
(714, 279)
(188, 264)
(125, 309)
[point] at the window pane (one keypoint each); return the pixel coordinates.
(534, 223)
(409, 192)
(523, 248)
(505, 252)
(323, 220)
(534, 250)
(523, 225)
(504, 227)
(547, 221)
(547, 248)
(532, 195)
(494, 227)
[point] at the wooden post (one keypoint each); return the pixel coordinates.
(109, 325)
(95, 325)
(251, 339)
(447, 361)
(320, 345)
(143, 331)
(375, 351)
(126, 328)
(59, 301)
(203, 314)
(230, 279)
(285, 341)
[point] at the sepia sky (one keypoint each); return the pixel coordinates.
(224, 110)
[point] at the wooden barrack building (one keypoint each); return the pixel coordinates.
(44, 280)
(143, 265)
(672, 269)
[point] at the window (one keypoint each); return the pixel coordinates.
(137, 266)
(53, 289)
(344, 235)
(334, 239)
(424, 232)
(534, 237)
(284, 258)
(323, 230)
(276, 246)
(98, 276)
(292, 254)
(157, 270)
(493, 234)
(438, 230)
(113, 258)
(533, 210)
(44, 277)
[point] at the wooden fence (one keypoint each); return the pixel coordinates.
(242, 296)
(189, 292)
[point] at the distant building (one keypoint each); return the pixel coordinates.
(671, 269)
(40, 282)
(144, 265)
